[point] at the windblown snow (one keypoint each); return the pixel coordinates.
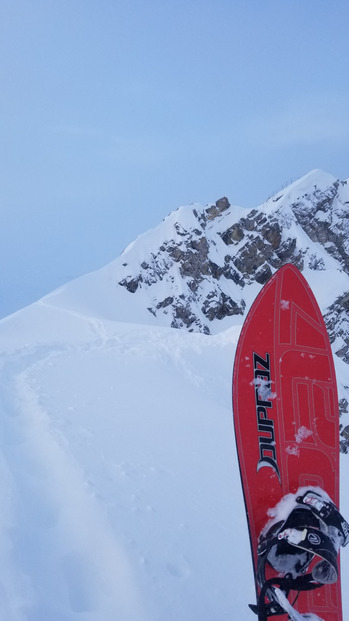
(120, 496)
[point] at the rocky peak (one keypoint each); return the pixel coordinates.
(204, 257)
(203, 266)
(324, 216)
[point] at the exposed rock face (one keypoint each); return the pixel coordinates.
(337, 322)
(205, 262)
(207, 256)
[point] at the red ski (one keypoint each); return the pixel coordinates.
(286, 419)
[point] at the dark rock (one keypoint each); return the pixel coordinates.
(263, 275)
(166, 302)
(131, 284)
(233, 235)
(252, 256)
(223, 306)
(337, 322)
(286, 250)
(272, 234)
(215, 210)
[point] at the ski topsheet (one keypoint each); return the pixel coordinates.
(286, 412)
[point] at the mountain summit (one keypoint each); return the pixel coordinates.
(202, 266)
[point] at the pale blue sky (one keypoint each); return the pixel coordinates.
(115, 112)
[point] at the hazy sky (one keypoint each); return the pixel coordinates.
(115, 112)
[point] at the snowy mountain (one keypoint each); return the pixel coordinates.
(202, 267)
(120, 492)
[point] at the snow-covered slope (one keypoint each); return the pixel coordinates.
(120, 492)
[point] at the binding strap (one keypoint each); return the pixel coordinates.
(266, 609)
(316, 542)
(327, 512)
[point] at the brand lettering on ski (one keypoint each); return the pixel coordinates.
(265, 425)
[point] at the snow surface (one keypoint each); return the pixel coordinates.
(120, 490)
(120, 485)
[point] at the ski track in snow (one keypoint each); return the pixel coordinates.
(118, 495)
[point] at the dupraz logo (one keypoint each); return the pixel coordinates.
(265, 425)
